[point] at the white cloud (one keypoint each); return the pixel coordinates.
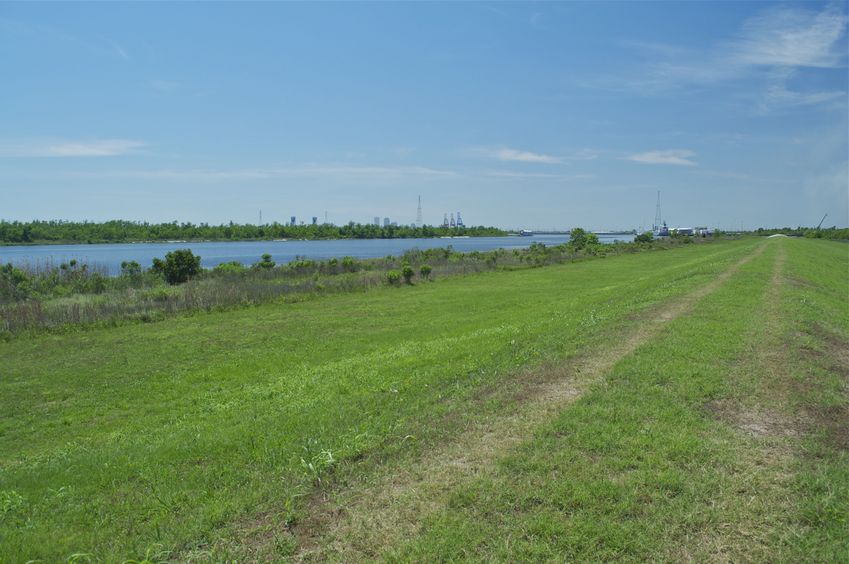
(515, 155)
(305, 170)
(519, 174)
(679, 157)
(778, 96)
(793, 38)
(770, 45)
(65, 148)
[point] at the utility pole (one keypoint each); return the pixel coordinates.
(657, 218)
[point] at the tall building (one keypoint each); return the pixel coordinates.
(377, 221)
(315, 220)
(292, 220)
(386, 222)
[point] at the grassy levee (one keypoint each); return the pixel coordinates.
(724, 438)
(176, 436)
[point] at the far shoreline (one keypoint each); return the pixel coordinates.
(258, 240)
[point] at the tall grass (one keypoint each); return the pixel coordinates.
(45, 297)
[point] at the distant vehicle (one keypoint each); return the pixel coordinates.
(526, 233)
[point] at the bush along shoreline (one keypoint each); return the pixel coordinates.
(74, 295)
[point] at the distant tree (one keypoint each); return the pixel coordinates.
(425, 271)
(178, 267)
(578, 238)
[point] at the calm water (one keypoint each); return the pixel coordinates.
(109, 256)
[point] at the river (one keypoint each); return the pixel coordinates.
(108, 257)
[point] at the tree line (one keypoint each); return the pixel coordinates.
(834, 233)
(121, 231)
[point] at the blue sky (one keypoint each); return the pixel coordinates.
(516, 114)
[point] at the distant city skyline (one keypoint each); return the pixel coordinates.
(520, 115)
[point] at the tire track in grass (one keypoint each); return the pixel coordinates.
(361, 522)
(758, 410)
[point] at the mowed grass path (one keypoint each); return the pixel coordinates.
(725, 438)
(195, 435)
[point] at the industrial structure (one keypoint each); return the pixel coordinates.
(419, 221)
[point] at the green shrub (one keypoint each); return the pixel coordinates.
(425, 271)
(131, 269)
(407, 272)
(178, 267)
(646, 237)
(266, 262)
(349, 264)
(14, 283)
(393, 277)
(232, 267)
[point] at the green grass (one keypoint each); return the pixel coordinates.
(644, 467)
(186, 436)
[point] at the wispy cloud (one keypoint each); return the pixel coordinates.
(302, 170)
(66, 148)
(768, 47)
(534, 175)
(777, 95)
(507, 154)
(792, 38)
(681, 157)
(119, 51)
(518, 174)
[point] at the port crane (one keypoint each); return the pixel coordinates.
(823, 219)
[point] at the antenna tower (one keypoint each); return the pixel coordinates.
(419, 221)
(657, 219)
